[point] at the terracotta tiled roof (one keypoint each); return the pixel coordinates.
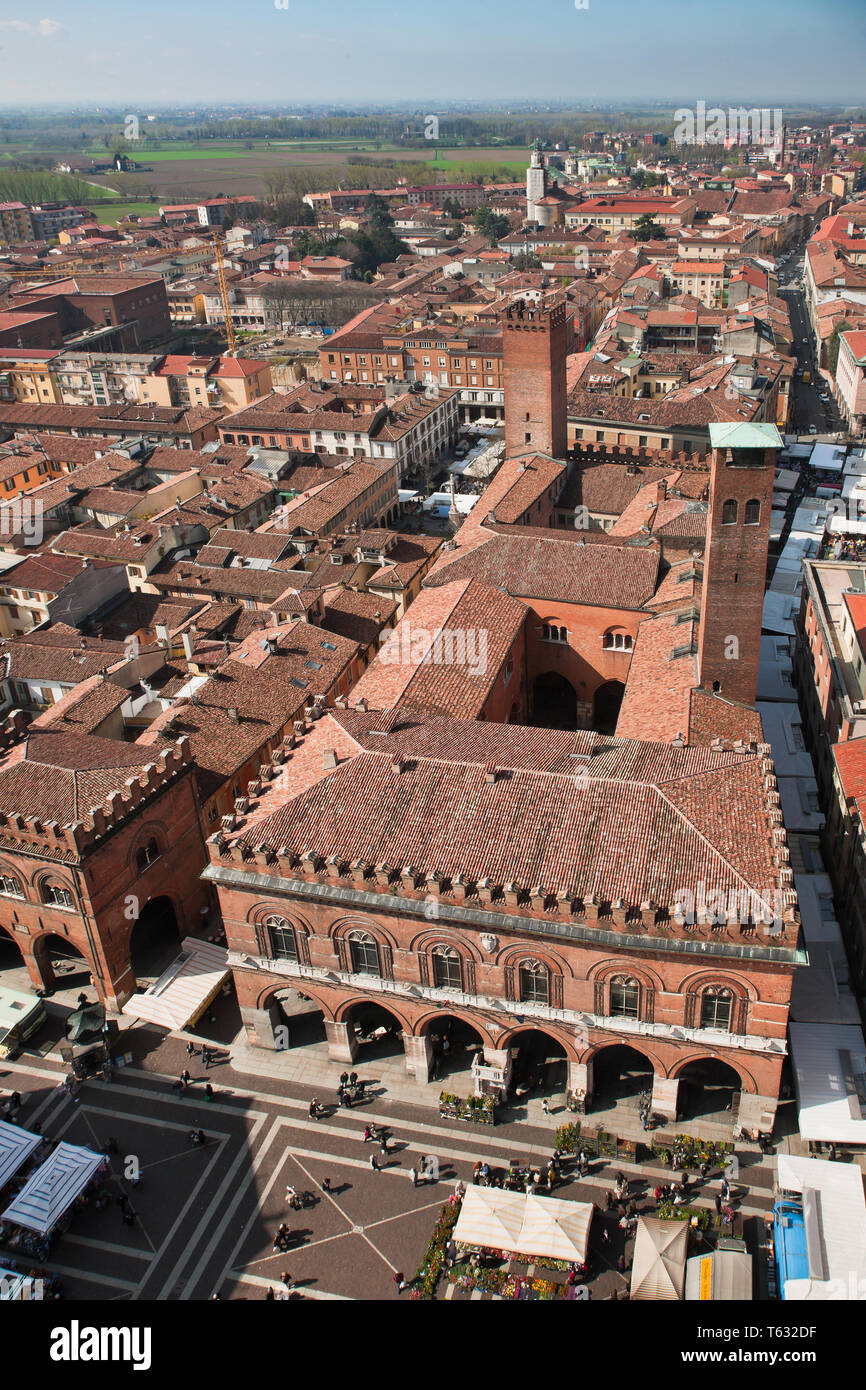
(546, 566)
(571, 812)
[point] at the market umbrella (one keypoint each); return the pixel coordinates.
(659, 1260)
(555, 1228)
(490, 1218)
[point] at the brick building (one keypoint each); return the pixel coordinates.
(100, 854)
(549, 908)
(534, 347)
(735, 560)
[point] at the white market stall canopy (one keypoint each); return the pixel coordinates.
(53, 1188)
(723, 1276)
(659, 1260)
(16, 1146)
(524, 1224)
(829, 1062)
(835, 1224)
(185, 989)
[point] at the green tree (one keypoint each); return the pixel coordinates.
(646, 229)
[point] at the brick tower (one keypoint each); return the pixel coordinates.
(735, 559)
(534, 350)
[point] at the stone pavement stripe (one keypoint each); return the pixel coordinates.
(227, 1215)
(106, 1245)
(87, 1276)
(260, 1201)
(181, 1216)
(260, 1282)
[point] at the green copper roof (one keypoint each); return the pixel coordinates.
(744, 435)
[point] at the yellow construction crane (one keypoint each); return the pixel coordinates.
(231, 339)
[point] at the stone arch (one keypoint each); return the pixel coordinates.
(49, 877)
(45, 954)
(554, 701)
(555, 1032)
(359, 921)
(606, 703)
(424, 1022)
(602, 975)
(14, 871)
(155, 936)
(742, 995)
(268, 994)
(706, 1054)
(345, 1007)
(153, 830)
(595, 1051)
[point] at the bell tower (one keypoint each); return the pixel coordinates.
(735, 558)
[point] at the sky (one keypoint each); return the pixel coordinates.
(152, 52)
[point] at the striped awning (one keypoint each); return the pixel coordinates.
(53, 1188)
(183, 990)
(659, 1260)
(524, 1224)
(16, 1146)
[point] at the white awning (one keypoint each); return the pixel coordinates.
(829, 1061)
(53, 1188)
(835, 1219)
(16, 1146)
(524, 1224)
(659, 1260)
(184, 990)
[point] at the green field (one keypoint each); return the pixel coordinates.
(118, 210)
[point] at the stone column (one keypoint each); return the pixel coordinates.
(580, 1077)
(342, 1042)
(757, 1112)
(419, 1055)
(664, 1101)
(259, 1025)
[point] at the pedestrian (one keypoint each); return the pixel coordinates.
(185, 1078)
(605, 1236)
(326, 1184)
(177, 1087)
(476, 1173)
(314, 1108)
(374, 1163)
(286, 1279)
(831, 1153)
(725, 1189)
(344, 1098)
(270, 1293)
(206, 1056)
(383, 1146)
(400, 1280)
(208, 1091)
(631, 1209)
(368, 1134)
(190, 1049)
(344, 1080)
(718, 1201)
(609, 1202)
(620, 1263)
(545, 1106)
(413, 1174)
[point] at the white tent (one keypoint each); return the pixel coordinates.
(16, 1146)
(185, 989)
(659, 1260)
(53, 1188)
(834, 1211)
(524, 1224)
